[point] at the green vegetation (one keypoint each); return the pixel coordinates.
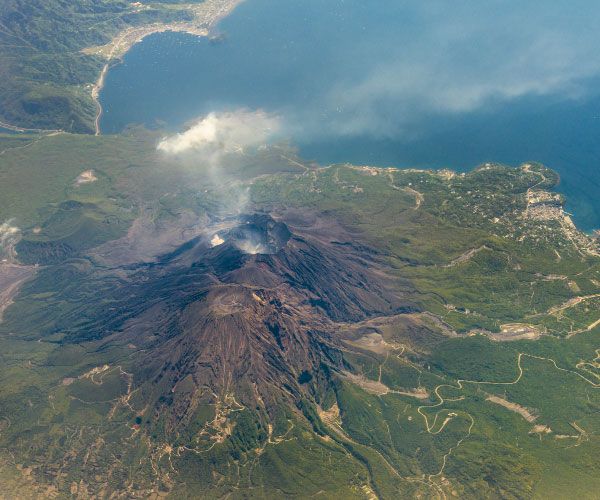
(477, 264)
(100, 392)
(45, 77)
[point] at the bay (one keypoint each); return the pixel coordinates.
(388, 83)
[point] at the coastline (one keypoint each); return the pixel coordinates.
(207, 15)
(95, 94)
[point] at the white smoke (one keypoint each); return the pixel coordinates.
(9, 237)
(216, 241)
(216, 144)
(251, 247)
(226, 132)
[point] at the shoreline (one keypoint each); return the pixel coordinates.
(95, 94)
(207, 15)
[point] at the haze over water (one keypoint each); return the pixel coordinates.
(408, 84)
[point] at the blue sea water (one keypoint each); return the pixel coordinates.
(408, 84)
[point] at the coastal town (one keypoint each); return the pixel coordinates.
(206, 15)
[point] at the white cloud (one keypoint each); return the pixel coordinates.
(213, 144)
(9, 237)
(226, 132)
(440, 58)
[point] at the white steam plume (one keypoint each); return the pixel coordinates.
(9, 237)
(216, 144)
(226, 132)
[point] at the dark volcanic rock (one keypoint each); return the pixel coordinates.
(259, 233)
(253, 312)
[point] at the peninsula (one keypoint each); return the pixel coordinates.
(67, 60)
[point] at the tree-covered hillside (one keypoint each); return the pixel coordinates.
(44, 75)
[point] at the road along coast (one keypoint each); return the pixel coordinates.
(206, 16)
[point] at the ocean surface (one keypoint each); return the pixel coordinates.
(389, 83)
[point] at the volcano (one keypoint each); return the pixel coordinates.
(255, 311)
